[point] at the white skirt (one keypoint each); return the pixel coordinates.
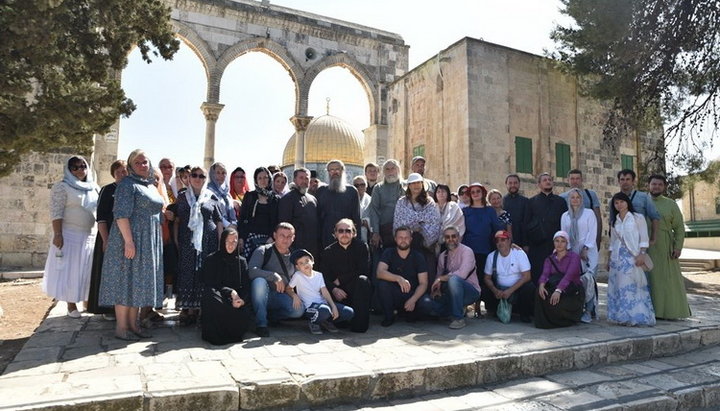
(67, 278)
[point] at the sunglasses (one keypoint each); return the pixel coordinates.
(200, 176)
(76, 168)
(475, 191)
(359, 185)
(450, 236)
(343, 230)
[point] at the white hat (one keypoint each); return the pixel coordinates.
(414, 178)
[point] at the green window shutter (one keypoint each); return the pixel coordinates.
(523, 155)
(419, 150)
(626, 162)
(562, 159)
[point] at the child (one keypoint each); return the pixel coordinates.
(311, 292)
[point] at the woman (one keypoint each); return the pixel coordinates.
(258, 214)
(495, 199)
(279, 184)
(417, 210)
(463, 196)
(481, 223)
(559, 288)
(581, 225)
(628, 294)
(73, 202)
(450, 212)
(132, 267)
(226, 313)
(219, 186)
(198, 226)
(118, 170)
(238, 187)
(361, 185)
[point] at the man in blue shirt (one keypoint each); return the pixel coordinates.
(641, 201)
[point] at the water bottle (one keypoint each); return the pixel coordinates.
(59, 260)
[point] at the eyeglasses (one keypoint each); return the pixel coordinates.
(502, 239)
(167, 166)
(475, 191)
(359, 185)
(76, 168)
(450, 236)
(343, 230)
(200, 176)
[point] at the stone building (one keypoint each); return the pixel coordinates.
(327, 138)
(700, 206)
(478, 111)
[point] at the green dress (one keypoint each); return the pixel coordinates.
(667, 287)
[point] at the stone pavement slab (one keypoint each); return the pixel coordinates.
(77, 364)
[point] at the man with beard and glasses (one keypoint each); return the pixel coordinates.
(336, 201)
(402, 280)
(667, 286)
(456, 268)
(345, 264)
(299, 208)
(381, 210)
(515, 204)
(542, 220)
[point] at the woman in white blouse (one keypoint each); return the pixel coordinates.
(450, 212)
(581, 225)
(73, 202)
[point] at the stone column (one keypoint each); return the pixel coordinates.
(300, 123)
(211, 112)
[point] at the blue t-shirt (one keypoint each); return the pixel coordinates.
(480, 226)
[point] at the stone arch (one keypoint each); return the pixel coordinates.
(356, 69)
(197, 45)
(267, 46)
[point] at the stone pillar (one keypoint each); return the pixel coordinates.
(376, 143)
(211, 112)
(300, 123)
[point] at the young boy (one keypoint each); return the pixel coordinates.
(311, 292)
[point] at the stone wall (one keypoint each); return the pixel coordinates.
(699, 203)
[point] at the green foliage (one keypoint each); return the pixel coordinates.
(653, 59)
(59, 69)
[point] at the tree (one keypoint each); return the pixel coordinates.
(656, 61)
(59, 66)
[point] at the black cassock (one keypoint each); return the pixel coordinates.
(222, 273)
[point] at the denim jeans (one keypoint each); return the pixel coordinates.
(460, 293)
(268, 302)
(318, 313)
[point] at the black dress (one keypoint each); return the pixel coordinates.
(104, 214)
(222, 273)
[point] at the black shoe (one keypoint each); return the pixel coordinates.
(262, 332)
(387, 322)
(525, 319)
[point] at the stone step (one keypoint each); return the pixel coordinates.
(685, 381)
(688, 265)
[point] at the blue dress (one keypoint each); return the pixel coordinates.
(136, 282)
(628, 302)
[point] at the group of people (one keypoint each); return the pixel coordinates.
(238, 259)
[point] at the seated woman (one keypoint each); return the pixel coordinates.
(226, 312)
(562, 297)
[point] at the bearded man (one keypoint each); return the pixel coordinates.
(336, 201)
(381, 210)
(299, 208)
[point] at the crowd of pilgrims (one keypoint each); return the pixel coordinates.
(238, 260)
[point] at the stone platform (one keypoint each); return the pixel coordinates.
(77, 364)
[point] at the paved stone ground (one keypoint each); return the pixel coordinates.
(77, 364)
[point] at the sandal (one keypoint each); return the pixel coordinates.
(127, 336)
(142, 333)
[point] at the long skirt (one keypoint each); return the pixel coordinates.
(565, 313)
(221, 322)
(95, 276)
(67, 271)
(628, 293)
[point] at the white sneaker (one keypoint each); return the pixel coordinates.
(457, 324)
(74, 314)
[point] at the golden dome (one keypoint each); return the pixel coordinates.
(326, 138)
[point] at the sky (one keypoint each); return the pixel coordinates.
(253, 128)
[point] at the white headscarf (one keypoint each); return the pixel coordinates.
(196, 224)
(91, 190)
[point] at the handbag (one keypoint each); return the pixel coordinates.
(504, 311)
(647, 264)
(555, 279)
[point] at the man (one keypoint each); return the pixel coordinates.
(507, 276)
(590, 199)
(456, 268)
(515, 204)
(382, 205)
(167, 169)
(314, 183)
(270, 271)
(402, 280)
(345, 265)
(667, 286)
(299, 208)
(642, 203)
(418, 166)
(371, 175)
(336, 201)
(541, 221)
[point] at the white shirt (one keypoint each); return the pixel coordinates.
(308, 288)
(509, 268)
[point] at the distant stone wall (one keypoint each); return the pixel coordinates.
(699, 203)
(25, 228)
